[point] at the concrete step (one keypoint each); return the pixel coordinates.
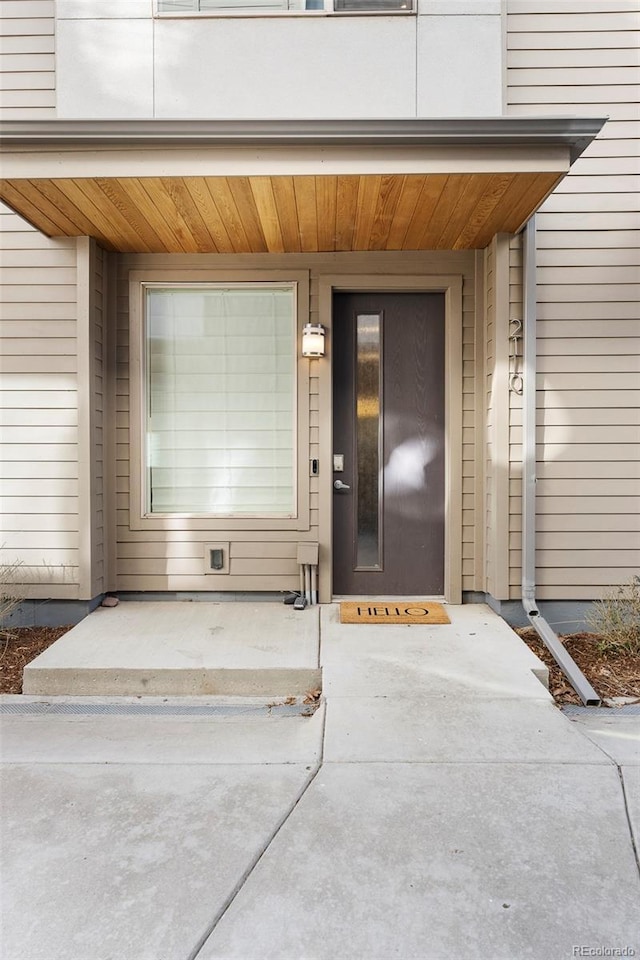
(181, 648)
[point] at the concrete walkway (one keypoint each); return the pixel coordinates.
(437, 805)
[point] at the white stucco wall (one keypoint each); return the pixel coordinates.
(114, 59)
(459, 66)
(286, 67)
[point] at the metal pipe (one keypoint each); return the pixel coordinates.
(567, 664)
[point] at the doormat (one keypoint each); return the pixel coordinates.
(392, 611)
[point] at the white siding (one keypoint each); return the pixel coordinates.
(39, 408)
(27, 67)
(564, 60)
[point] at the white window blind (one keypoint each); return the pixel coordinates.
(221, 400)
(209, 6)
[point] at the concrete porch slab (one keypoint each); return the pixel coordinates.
(476, 655)
(183, 649)
(187, 649)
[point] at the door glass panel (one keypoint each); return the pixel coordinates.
(368, 440)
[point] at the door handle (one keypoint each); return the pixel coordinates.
(339, 485)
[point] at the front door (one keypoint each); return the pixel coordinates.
(388, 429)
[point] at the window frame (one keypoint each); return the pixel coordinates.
(139, 516)
(248, 11)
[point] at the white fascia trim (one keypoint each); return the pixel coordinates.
(241, 161)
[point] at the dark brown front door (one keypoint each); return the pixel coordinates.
(388, 436)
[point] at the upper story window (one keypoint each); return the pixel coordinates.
(230, 7)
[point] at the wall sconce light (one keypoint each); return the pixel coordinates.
(313, 340)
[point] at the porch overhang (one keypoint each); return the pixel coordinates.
(182, 186)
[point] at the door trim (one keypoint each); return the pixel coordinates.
(451, 286)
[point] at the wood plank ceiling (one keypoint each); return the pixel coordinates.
(282, 214)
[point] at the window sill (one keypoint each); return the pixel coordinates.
(218, 524)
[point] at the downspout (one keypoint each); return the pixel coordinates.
(569, 667)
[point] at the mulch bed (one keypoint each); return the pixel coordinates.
(610, 674)
(19, 648)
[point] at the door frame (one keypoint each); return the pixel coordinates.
(451, 286)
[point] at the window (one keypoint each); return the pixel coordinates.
(220, 399)
(285, 6)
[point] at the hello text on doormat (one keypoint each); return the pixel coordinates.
(392, 611)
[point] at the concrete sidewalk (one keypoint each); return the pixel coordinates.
(441, 807)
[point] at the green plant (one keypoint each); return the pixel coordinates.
(616, 618)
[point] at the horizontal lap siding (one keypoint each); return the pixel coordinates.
(490, 364)
(97, 367)
(262, 559)
(474, 424)
(515, 408)
(39, 408)
(38, 387)
(27, 59)
(470, 332)
(496, 380)
(584, 62)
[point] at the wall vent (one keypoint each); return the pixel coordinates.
(216, 558)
